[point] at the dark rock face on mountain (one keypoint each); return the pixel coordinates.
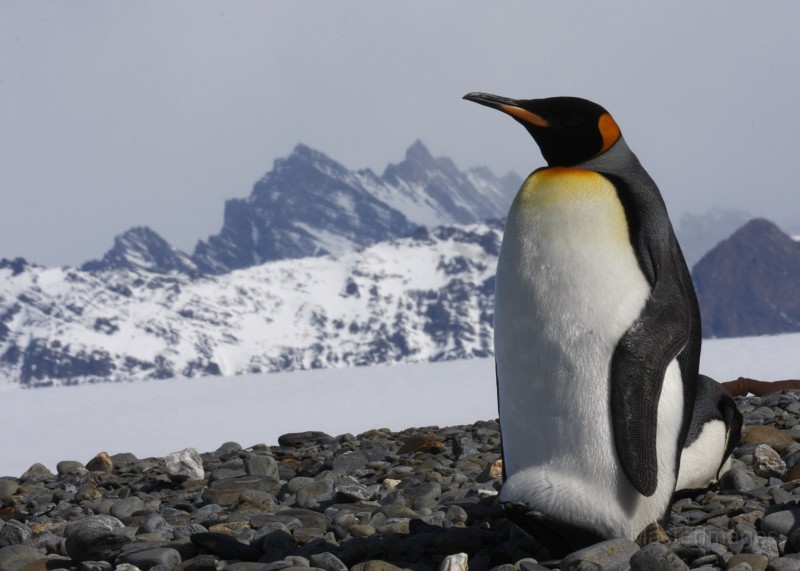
(749, 284)
(698, 233)
(310, 205)
(140, 248)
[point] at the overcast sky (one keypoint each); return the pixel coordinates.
(116, 114)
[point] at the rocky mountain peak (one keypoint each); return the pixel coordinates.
(419, 153)
(311, 205)
(141, 248)
(698, 233)
(749, 284)
(17, 265)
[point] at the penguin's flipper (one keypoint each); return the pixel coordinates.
(638, 366)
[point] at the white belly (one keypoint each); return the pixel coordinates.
(701, 460)
(568, 287)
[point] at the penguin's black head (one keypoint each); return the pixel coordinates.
(568, 130)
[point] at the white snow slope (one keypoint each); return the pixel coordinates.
(412, 299)
(154, 418)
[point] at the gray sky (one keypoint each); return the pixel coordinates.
(115, 114)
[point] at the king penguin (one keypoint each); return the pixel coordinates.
(597, 329)
(713, 434)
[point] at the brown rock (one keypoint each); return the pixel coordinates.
(100, 463)
(750, 517)
(653, 533)
(421, 443)
(759, 434)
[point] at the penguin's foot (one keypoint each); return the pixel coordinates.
(560, 538)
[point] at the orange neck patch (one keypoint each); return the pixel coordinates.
(609, 130)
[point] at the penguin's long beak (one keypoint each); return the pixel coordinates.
(510, 106)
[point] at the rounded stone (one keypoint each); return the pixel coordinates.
(165, 557)
(783, 521)
(767, 462)
(14, 533)
(8, 487)
(100, 463)
(93, 539)
(184, 465)
(158, 525)
(328, 562)
(455, 562)
(361, 530)
(229, 448)
(68, 467)
(37, 472)
(261, 465)
(123, 509)
(736, 479)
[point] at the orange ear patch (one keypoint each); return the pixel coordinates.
(525, 115)
(609, 130)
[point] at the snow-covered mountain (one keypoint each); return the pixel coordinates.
(310, 205)
(426, 297)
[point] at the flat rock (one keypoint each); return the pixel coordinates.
(123, 509)
(611, 555)
(760, 434)
(164, 557)
(294, 439)
(756, 561)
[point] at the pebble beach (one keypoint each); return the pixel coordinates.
(422, 498)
